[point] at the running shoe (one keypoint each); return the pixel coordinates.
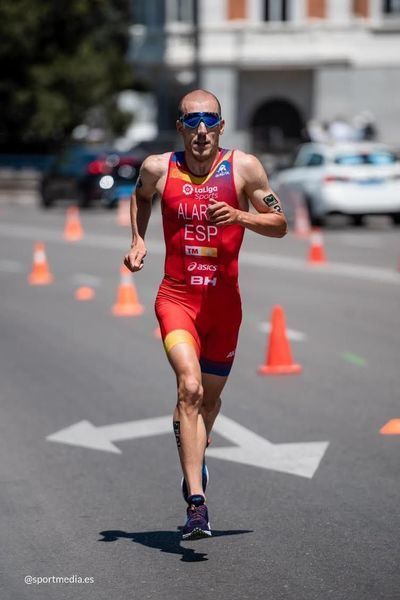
(204, 481)
(197, 525)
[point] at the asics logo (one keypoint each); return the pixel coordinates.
(201, 267)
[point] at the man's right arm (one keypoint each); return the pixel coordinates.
(150, 173)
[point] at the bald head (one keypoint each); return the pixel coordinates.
(199, 101)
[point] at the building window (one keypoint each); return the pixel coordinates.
(236, 9)
(361, 8)
(316, 9)
(391, 7)
(180, 11)
(275, 10)
(148, 12)
(185, 13)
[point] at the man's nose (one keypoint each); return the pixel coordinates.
(202, 128)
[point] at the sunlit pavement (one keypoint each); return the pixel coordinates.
(293, 522)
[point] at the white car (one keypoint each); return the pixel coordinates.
(354, 179)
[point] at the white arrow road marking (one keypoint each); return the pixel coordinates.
(300, 459)
(296, 336)
(297, 459)
(88, 435)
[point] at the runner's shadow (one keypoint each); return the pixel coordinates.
(166, 541)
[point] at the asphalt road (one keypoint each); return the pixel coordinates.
(72, 511)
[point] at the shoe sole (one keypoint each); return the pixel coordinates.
(196, 534)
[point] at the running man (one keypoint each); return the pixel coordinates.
(205, 192)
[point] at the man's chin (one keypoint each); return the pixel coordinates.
(202, 152)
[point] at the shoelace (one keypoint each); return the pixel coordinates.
(197, 513)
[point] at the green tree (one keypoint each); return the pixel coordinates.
(58, 58)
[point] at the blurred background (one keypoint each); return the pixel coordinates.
(86, 83)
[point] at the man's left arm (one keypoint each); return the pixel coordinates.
(269, 220)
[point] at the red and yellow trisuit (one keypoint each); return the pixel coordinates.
(198, 300)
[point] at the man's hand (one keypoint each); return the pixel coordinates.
(221, 213)
(134, 258)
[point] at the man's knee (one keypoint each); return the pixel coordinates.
(190, 393)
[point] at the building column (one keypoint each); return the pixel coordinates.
(297, 11)
(223, 82)
(339, 11)
(375, 10)
(212, 12)
(255, 11)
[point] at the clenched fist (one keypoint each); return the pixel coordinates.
(134, 259)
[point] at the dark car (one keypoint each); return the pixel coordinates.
(164, 142)
(88, 176)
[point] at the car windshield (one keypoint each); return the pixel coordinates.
(380, 157)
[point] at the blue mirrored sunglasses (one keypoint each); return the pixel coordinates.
(192, 120)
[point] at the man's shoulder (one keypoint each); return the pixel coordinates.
(155, 165)
(246, 164)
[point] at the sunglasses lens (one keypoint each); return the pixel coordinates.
(211, 120)
(192, 120)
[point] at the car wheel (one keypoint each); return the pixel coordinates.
(46, 201)
(395, 218)
(318, 222)
(357, 220)
(84, 200)
(315, 221)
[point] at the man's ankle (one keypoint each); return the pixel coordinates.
(196, 500)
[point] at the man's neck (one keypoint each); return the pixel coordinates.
(201, 168)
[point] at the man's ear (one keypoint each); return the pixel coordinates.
(222, 127)
(179, 126)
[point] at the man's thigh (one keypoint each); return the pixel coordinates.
(183, 358)
(212, 388)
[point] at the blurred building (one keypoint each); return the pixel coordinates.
(274, 64)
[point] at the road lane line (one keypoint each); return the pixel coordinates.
(292, 334)
(254, 259)
(353, 271)
(11, 266)
(360, 242)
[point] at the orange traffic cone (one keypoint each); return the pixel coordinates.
(392, 427)
(127, 304)
(40, 274)
(316, 254)
(123, 214)
(84, 293)
(278, 357)
(73, 230)
(302, 226)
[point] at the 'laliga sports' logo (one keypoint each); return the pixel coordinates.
(187, 189)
